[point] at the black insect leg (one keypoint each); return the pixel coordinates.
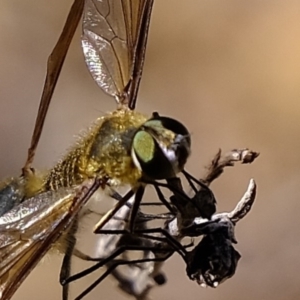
(203, 198)
(190, 180)
(114, 265)
(135, 207)
(137, 203)
(65, 270)
(167, 237)
(163, 199)
(112, 211)
(115, 195)
(170, 187)
(110, 258)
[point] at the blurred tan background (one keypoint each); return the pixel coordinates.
(229, 70)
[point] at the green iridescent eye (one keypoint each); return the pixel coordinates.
(161, 147)
(144, 145)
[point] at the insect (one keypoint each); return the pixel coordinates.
(209, 263)
(123, 147)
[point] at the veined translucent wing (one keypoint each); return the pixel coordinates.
(114, 42)
(28, 231)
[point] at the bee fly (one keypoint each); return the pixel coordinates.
(124, 147)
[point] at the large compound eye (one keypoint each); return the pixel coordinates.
(161, 147)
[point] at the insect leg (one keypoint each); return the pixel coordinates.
(170, 187)
(114, 265)
(115, 195)
(65, 270)
(54, 66)
(163, 199)
(153, 204)
(135, 207)
(190, 180)
(204, 201)
(112, 211)
(167, 237)
(111, 257)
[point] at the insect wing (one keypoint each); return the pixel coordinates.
(28, 231)
(11, 194)
(114, 41)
